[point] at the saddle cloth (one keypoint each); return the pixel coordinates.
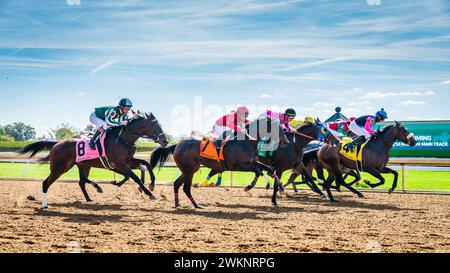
(208, 149)
(357, 153)
(84, 152)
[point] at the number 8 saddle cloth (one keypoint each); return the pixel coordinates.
(84, 152)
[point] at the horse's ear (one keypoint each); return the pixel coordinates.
(397, 123)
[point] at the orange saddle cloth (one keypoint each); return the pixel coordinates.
(209, 150)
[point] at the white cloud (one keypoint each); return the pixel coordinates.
(265, 96)
(412, 103)
(382, 95)
(323, 104)
(103, 66)
(445, 82)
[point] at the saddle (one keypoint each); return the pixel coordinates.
(356, 155)
(212, 149)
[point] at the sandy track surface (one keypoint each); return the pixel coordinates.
(124, 220)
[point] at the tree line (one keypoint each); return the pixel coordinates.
(19, 131)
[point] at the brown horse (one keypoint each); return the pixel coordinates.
(375, 157)
(240, 154)
(118, 142)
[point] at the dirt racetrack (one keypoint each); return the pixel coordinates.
(123, 220)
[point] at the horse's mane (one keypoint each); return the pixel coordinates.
(386, 129)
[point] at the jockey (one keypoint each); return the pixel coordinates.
(106, 117)
(340, 129)
(362, 127)
(230, 123)
(285, 119)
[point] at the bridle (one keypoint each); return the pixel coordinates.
(156, 138)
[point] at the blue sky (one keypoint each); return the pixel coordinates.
(61, 58)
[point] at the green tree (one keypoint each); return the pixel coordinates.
(2, 131)
(20, 131)
(65, 131)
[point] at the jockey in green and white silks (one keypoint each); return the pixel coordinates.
(106, 117)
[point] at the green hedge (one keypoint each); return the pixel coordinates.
(13, 146)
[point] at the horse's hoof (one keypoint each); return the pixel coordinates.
(361, 195)
(113, 183)
(89, 201)
(152, 197)
(333, 201)
(99, 190)
(275, 205)
(338, 190)
(140, 190)
(391, 191)
(46, 207)
(247, 189)
(151, 187)
(198, 207)
(267, 187)
(323, 197)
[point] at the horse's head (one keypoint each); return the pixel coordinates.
(149, 127)
(324, 133)
(310, 131)
(403, 135)
(267, 128)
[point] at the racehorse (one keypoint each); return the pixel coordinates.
(240, 154)
(375, 157)
(311, 162)
(118, 142)
(290, 157)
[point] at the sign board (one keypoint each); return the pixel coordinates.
(433, 139)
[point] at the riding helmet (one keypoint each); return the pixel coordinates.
(290, 113)
(382, 114)
(126, 103)
(243, 110)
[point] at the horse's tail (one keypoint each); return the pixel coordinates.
(37, 147)
(161, 155)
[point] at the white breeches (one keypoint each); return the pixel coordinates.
(98, 122)
(360, 131)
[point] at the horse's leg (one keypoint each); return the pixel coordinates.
(126, 170)
(356, 176)
(219, 180)
(125, 178)
(82, 183)
(275, 189)
(376, 174)
(176, 187)
(340, 180)
(187, 189)
(291, 180)
(56, 172)
(150, 171)
(310, 179)
(210, 175)
(327, 186)
(87, 171)
(395, 173)
(253, 184)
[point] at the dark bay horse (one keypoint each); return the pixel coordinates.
(118, 142)
(290, 156)
(240, 154)
(375, 157)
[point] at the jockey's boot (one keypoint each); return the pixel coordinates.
(355, 143)
(94, 139)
